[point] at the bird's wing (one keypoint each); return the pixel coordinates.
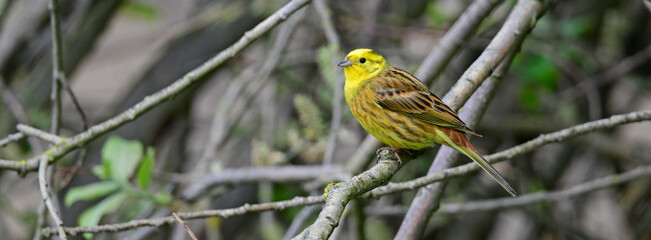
(399, 91)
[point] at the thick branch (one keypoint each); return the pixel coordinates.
(337, 196)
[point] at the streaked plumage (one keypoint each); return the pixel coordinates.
(400, 111)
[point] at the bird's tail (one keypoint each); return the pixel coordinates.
(458, 140)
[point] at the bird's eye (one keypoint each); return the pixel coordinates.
(362, 60)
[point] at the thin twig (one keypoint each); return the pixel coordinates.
(42, 180)
(185, 225)
(337, 100)
(259, 174)
(299, 221)
(624, 66)
(35, 132)
(512, 152)
(222, 213)
(17, 110)
(57, 66)
(12, 138)
(159, 97)
(590, 186)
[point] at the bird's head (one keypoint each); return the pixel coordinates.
(362, 64)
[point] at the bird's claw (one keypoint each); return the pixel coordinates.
(392, 149)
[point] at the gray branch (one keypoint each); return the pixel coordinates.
(543, 196)
(512, 152)
(161, 96)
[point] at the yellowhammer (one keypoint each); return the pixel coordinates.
(400, 111)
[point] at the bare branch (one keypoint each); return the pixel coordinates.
(34, 132)
(185, 225)
(42, 183)
(593, 185)
(259, 174)
(159, 97)
(12, 138)
(512, 152)
(337, 196)
(222, 213)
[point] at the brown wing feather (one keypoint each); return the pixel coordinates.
(399, 91)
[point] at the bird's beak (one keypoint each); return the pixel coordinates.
(345, 63)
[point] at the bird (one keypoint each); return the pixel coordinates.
(399, 110)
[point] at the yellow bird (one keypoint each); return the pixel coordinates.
(400, 111)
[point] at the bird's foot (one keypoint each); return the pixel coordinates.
(394, 150)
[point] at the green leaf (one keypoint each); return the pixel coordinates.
(92, 215)
(101, 172)
(121, 157)
(89, 192)
(146, 168)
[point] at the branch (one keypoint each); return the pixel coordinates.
(259, 174)
(57, 66)
(34, 132)
(380, 191)
(593, 185)
(12, 138)
(512, 152)
(337, 196)
(159, 97)
(456, 36)
(185, 225)
(222, 213)
(42, 183)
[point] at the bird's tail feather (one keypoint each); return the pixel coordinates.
(458, 140)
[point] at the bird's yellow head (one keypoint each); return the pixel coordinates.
(361, 65)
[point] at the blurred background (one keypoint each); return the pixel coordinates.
(272, 106)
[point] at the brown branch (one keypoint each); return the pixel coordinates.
(185, 225)
(159, 97)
